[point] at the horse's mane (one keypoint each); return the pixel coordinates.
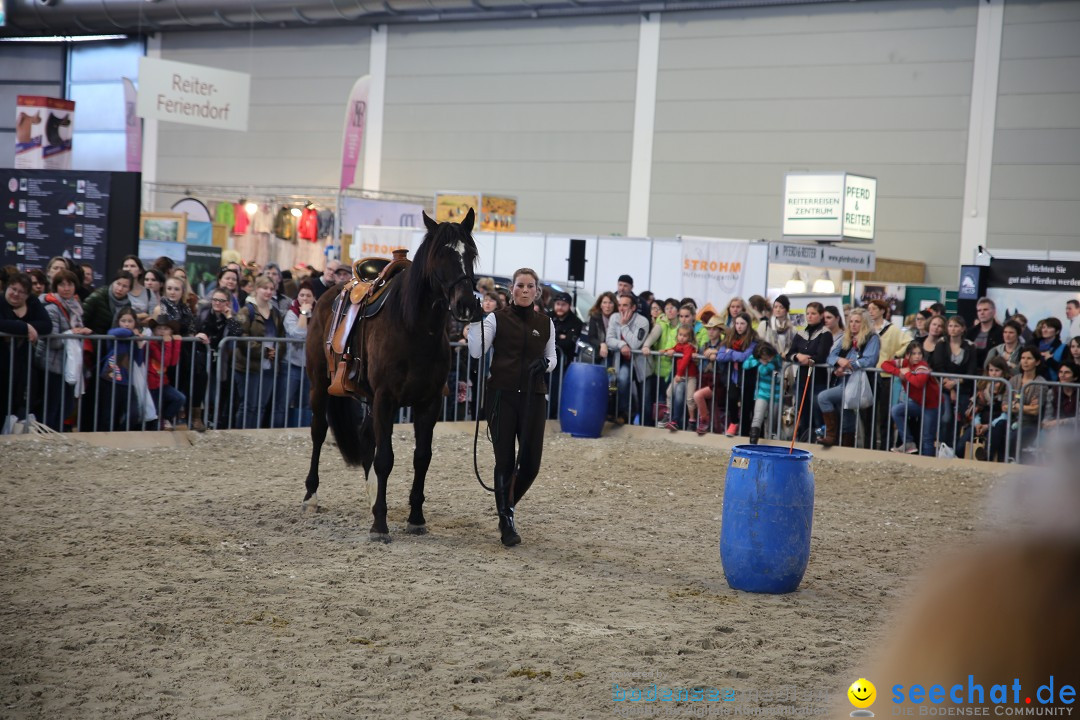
(418, 279)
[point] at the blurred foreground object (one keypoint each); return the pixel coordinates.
(1001, 620)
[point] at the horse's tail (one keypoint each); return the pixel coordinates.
(345, 418)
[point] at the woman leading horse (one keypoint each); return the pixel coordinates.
(524, 342)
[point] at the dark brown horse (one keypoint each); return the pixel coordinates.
(407, 355)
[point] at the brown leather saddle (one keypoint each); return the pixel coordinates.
(367, 289)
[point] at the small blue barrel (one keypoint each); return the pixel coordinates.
(767, 518)
(583, 400)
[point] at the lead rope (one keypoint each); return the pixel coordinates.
(481, 388)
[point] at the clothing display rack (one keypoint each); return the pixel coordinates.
(293, 224)
(329, 196)
(160, 197)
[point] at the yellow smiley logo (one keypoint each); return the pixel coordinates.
(862, 693)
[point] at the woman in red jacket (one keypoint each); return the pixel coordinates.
(163, 354)
(923, 399)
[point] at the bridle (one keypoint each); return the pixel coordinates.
(448, 290)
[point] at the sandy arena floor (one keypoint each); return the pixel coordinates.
(183, 581)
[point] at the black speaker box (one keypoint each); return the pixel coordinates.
(576, 269)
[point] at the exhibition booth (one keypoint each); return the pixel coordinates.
(1034, 284)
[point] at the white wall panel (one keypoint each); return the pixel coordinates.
(665, 274)
(518, 250)
(543, 110)
(300, 80)
(95, 83)
(485, 253)
(30, 70)
(880, 88)
(557, 255)
(100, 151)
(616, 256)
(104, 103)
(1035, 185)
(540, 110)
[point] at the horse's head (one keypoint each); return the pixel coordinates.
(449, 256)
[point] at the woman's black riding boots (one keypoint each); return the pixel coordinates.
(504, 504)
(520, 488)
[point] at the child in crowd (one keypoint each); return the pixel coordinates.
(769, 386)
(703, 398)
(684, 383)
(163, 355)
(987, 411)
(122, 390)
(739, 345)
(923, 399)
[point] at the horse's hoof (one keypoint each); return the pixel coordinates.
(383, 538)
(311, 503)
(416, 529)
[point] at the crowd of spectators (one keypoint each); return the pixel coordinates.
(851, 376)
(156, 346)
(926, 384)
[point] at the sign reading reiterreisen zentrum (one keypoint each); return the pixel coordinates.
(829, 206)
(193, 94)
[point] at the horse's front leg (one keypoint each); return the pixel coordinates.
(318, 436)
(383, 410)
(424, 427)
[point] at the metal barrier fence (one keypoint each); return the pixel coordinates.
(103, 382)
(970, 414)
(259, 382)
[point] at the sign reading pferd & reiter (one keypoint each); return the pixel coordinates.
(193, 94)
(829, 207)
(822, 256)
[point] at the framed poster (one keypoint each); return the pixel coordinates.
(454, 206)
(498, 213)
(163, 227)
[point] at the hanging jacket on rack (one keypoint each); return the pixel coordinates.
(285, 224)
(240, 227)
(263, 222)
(308, 227)
(326, 223)
(224, 214)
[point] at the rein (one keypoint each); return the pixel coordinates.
(481, 387)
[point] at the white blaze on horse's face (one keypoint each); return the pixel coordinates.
(459, 248)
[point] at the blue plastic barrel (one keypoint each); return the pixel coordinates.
(767, 518)
(583, 400)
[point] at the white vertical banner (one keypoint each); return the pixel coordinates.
(713, 270)
(132, 128)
